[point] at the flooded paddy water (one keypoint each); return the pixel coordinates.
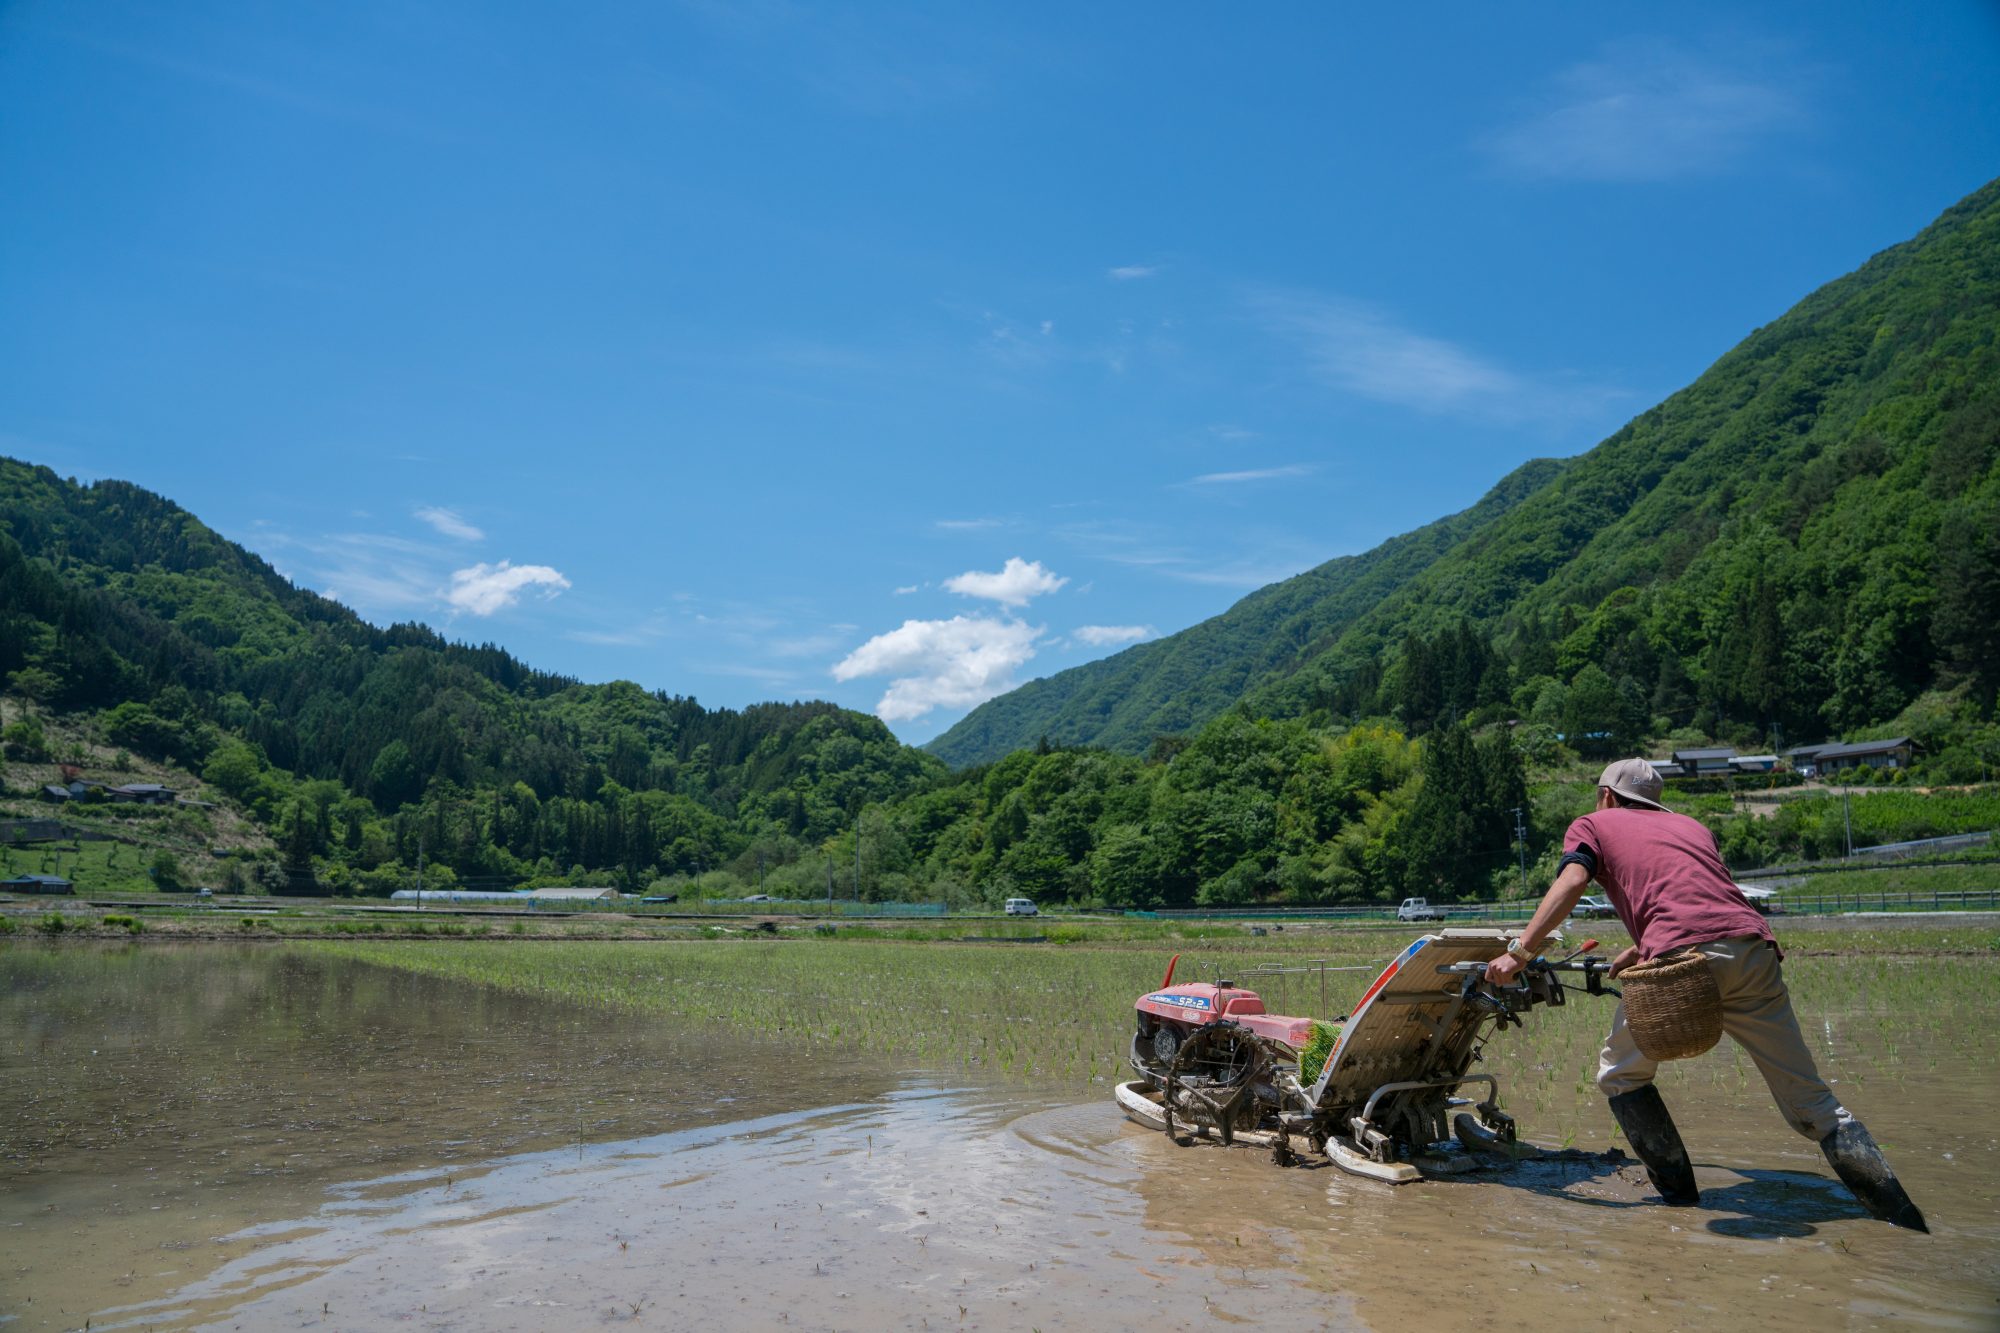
(282, 1137)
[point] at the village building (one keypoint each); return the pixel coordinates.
(144, 793)
(1706, 763)
(37, 884)
(1886, 755)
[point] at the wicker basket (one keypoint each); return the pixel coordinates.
(1672, 1006)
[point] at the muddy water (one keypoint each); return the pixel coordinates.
(258, 1139)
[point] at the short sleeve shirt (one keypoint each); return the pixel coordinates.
(1665, 878)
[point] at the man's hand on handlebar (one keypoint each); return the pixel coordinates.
(1625, 959)
(1503, 969)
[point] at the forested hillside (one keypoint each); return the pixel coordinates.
(1800, 543)
(358, 746)
(1178, 683)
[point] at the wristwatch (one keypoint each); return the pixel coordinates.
(1518, 947)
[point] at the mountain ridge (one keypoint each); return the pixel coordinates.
(1845, 374)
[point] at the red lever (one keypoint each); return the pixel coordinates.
(1170, 972)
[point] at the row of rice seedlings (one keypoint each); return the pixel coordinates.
(1048, 1014)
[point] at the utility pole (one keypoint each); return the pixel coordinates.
(1521, 846)
(1847, 818)
(829, 882)
(420, 870)
(857, 856)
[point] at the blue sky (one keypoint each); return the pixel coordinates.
(892, 354)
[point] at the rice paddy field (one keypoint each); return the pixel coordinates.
(906, 1127)
(1056, 1016)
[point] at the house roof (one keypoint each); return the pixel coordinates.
(141, 788)
(1724, 752)
(1859, 748)
(37, 879)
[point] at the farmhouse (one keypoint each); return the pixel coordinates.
(145, 793)
(37, 884)
(1712, 763)
(1871, 754)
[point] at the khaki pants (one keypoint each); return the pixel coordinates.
(1757, 1014)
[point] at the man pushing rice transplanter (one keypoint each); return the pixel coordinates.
(1664, 875)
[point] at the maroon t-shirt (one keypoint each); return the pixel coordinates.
(1663, 874)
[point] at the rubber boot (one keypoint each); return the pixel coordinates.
(1642, 1114)
(1861, 1167)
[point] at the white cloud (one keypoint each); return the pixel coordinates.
(484, 589)
(448, 522)
(906, 589)
(1017, 583)
(1100, 635)
(1362, 350)
(965, 524)
(954, 663)
(1132, 272)
(1647, 110)
(1253, 474)
(372, 573)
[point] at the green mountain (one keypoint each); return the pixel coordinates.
(1176, 684)
(1807, 536)
(362, 748)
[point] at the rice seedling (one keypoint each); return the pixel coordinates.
(1061, 1014)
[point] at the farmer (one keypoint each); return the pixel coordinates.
(1664, 875)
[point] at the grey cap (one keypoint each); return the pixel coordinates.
(1635, 780)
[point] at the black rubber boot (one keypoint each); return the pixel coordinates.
(1650, 1130)
(1861, 1167)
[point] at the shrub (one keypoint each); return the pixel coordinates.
(166, 873)
(53, 924)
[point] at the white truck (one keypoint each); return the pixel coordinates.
(1417, 909)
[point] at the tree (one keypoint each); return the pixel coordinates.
(392, 779)
(1441, 836)
(166, 873)
(1965, 623)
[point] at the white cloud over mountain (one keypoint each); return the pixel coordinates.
(953, 663)
(1100, 636)
(484, 589)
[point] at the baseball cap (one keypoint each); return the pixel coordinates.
(1635, 780)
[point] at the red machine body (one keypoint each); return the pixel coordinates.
(1195, 1003)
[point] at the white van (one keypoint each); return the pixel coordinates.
(1022, 907)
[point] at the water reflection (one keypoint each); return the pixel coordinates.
(153, 1096)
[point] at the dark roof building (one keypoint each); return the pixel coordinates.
(1895, 753)
(1700, 763)
(147, 793)
(37, 884)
